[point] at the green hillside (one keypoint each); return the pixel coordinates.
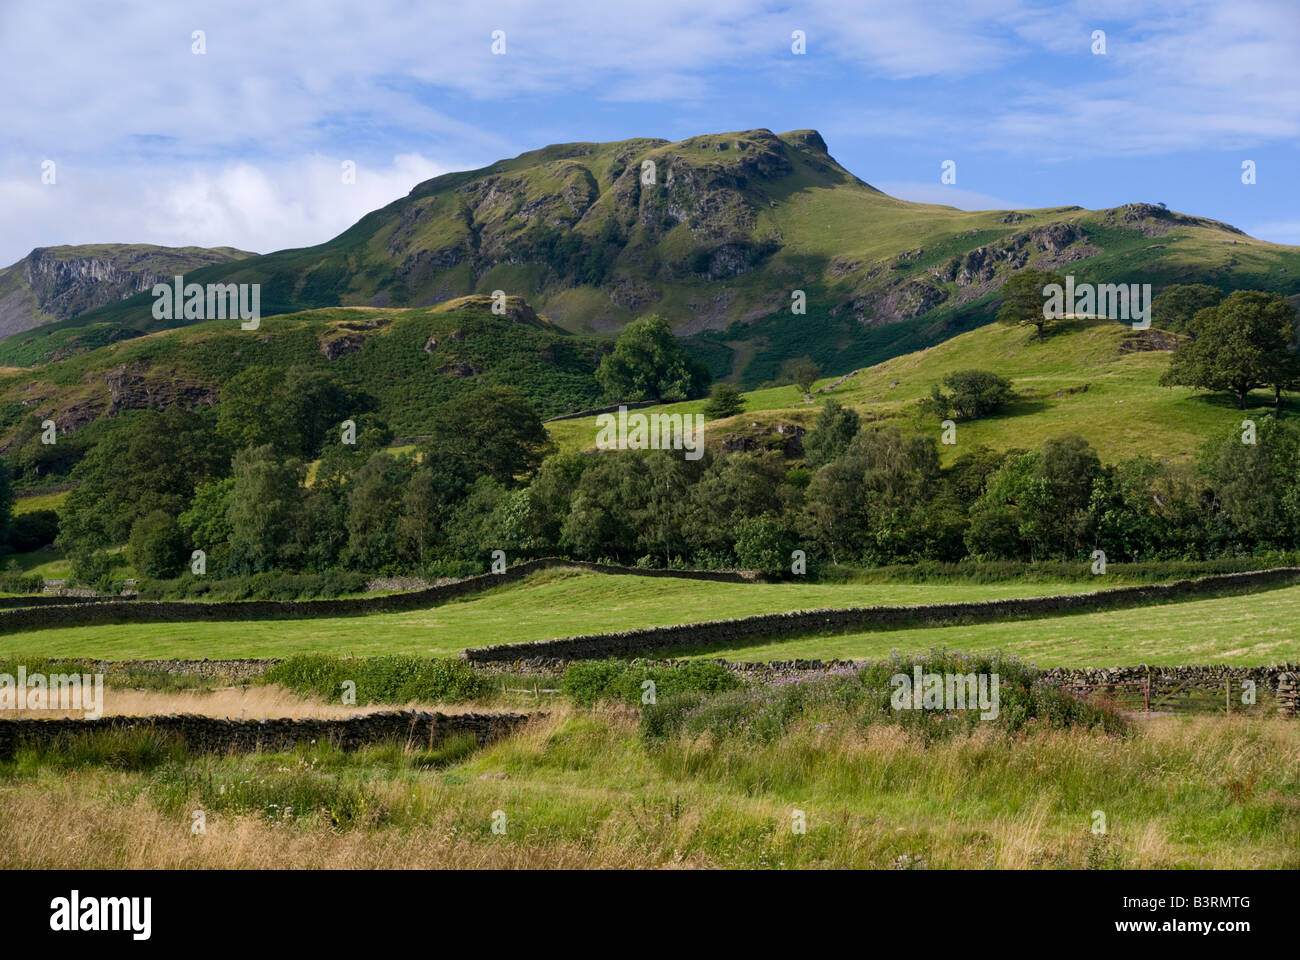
(408, 360)
(727, 228)
(1097, 379)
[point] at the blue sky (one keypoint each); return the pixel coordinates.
(242, 144)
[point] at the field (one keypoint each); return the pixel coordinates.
(1249, 629)
(584, 789)
(550, 604)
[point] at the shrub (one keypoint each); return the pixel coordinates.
(30, 531)
(394, 680)
(591, 681)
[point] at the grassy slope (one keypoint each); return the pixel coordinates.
(1123, 411)
(547, 606)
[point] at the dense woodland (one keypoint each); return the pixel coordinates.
(264, 481)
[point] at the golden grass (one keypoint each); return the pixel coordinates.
(581, 790)
(252, 702)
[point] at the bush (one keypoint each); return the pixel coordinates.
(394, 680)
(724, 401)
(31, 531)
(765, 713)
(590, 681)
(258, 586)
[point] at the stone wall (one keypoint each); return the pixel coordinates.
(80, 613)
(220, 735)
(633, 643)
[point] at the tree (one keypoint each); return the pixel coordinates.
(649, 363)
(205, 521)
(492, 431)
(265, 504)
(725, 400)
(1247, 341)
(1175, 306)
(151, 460)
(294, 410)
(156, 545)
(804, 372)
(830, 436)
(1023, 299)
(374, 508)
(973, 394)
(763, 544)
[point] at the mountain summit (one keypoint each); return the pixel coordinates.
(718, 233)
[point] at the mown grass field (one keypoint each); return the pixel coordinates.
(1257, 628)
(584, 789)
(547, 605)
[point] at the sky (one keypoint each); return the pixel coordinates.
(148, 140)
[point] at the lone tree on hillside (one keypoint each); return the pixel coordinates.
(1023, 299)
(649, 363)
(725, 400)
(804, 372)
(972, 394)
(1247, 341)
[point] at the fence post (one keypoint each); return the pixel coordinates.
(1227, 695)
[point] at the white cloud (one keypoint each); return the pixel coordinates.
(922, 192)
(254, 207)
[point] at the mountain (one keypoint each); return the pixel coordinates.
(720, 236)
(60, 283)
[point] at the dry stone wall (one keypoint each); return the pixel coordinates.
(633, 643)
(220, 735)
(80, 613)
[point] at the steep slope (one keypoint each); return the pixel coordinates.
(59, 283)
(716, 232)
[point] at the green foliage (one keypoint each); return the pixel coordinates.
(492, 431)
(1246, 341)
(763, 544)
(830, 436)
(649, 363)
(395, 680)
(866, 697)
(590, 681)
(1023, 298)
(265, 509)
(156, 545)
(725, 400)
(972, 394)
(258, 586)
(32, 530)
(1175, 307)
(293, 410)
(151, 460)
